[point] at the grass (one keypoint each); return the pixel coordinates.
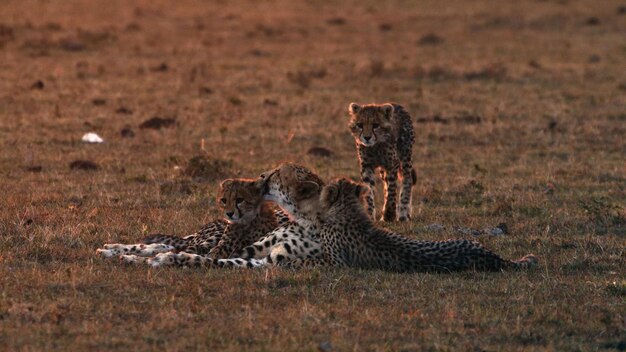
(519, 116)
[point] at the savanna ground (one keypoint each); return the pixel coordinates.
(520, 117)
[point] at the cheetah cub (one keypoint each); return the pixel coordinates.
(246, 219)
(384, 140)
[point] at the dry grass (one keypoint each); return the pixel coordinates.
(520, 118)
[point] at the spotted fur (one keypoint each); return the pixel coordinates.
(384, 139)
(247, 218)
(296, 190)
(350, 239)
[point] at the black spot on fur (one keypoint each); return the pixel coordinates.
(250, 251)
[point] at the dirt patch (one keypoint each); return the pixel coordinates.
(87, 165)
(430, 39)
(123, 110)
(38, 85)
(336, 21)
(320, 152)
(127, 132)
(157, 123)
(205, 168)
(34, 168)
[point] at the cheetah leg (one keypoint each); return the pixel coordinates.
(263, 247)
(241, 263)
(404, 207)
(367, 176)
(391, 186)
(142, 250)
(181, 259)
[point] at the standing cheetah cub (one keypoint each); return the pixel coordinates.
(384, 140)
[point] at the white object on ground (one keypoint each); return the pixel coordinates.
(92, 138)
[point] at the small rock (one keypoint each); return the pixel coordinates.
(592, 21)
(98, 102)
(83, 165)
(434, 227)
(320, 151)
(496, 231)
(157, 123)
(502, 226)
(466, 231)
(325, 346)
(92, 138)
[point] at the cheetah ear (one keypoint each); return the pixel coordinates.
(359, 190)
(387, 110)
(354, 108)
(307, 189)
(332, 194)
(227, 182)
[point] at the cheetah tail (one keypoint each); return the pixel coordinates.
(174, 241)
(526, 262)
(413, 177)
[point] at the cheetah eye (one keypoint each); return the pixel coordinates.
(223, 200)
(376, 125)
(359, 125)
(239, 200)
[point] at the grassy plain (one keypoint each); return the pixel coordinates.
(520, 117)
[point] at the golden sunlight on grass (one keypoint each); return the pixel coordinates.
(519, 113)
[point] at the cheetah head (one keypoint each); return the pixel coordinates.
(240, 199)
(371, 124)
(343, 195)
(294, 188)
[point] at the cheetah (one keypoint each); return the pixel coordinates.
(384, 140)
(350, 239)
(297, 191)
(247, 218)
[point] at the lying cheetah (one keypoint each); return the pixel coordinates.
(384, 140)
(349, 239)
(297, 191)
(248, 218)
